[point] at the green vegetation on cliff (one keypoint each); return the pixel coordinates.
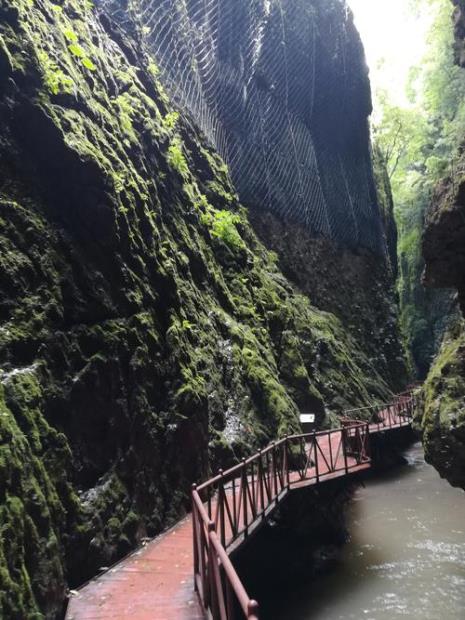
(443, 420)
(443, 241)
(146, 334)
(418, 143)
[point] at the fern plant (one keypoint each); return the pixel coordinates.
(176, 157)
(55, 80)
(223, 226)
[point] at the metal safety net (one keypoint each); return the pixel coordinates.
(280, 88)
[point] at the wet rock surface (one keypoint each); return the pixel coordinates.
(146, 333)
(442, 422)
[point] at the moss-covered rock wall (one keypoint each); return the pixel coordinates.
(443, 420)
(331, 275)
(146, 333)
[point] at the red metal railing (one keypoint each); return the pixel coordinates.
(358, 439)
(238, 497)
(314, 457)
(227, 508)
(386, 416)
(216, 580)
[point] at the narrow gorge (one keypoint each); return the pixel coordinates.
(198, 244)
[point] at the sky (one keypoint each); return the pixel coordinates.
(390, 31)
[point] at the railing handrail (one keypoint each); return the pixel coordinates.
(248, 605)
(405, 394)
(329, 431)
(240, 466)
(255, 457)
(245, 602)
(367, 407)
(216, 579)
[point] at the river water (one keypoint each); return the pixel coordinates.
(406, 556)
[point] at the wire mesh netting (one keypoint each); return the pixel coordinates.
(280, 88)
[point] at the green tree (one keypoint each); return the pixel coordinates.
(419, 143)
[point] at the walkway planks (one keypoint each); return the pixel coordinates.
(156, 582)
(153, 583)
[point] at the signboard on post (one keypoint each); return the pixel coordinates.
(307, 421)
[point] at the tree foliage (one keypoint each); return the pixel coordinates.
(419, 143)
(423, 137)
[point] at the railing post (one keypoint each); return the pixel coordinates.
(244, 495)
(194, 530)
(213, 601)
(303, 458)
(252, 611)
(208, 593)
(344, 448)
(269, 487)
(286, 454)
(367, 442)
(221, 500)
(282, 465)
(236, 525)
(275, 473)
(317, 470)
(332, 466)
(260, 480)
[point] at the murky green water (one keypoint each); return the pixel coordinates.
(406, 557)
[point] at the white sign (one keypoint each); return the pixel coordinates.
(307, 418)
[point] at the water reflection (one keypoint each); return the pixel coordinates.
(406, 558)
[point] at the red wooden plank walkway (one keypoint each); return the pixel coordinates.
(156, 582)
(153, 583)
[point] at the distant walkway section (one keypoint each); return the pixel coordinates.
(186, 573)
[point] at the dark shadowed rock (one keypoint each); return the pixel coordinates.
(146, 333)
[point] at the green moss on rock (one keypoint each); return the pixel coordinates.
(443, 420)
(140, 345)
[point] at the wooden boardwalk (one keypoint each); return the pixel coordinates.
(153, 583)
(156, 582)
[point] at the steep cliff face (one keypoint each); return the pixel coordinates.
(444, 236)
(426, 312)
(386, 205)
(443, 421)
(332, 275)
(281, 88)
(146, 333)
